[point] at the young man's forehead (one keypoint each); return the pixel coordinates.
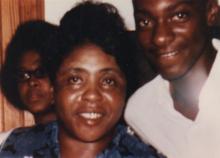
(200, 1)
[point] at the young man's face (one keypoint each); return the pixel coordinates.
(173, 33)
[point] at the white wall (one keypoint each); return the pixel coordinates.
(55, 9)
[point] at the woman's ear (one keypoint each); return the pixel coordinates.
(212, 12)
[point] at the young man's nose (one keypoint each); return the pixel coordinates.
(163, 35)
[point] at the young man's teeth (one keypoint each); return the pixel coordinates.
(91, 115)
(169, 54)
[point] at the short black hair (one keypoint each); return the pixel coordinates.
(99, 24)
(32, 35)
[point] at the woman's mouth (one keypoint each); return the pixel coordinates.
(91, 118)
(91, 115)
(34, 96)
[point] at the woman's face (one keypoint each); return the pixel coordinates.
(34, 86)
(90, 93)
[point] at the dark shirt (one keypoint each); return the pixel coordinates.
(41, 141)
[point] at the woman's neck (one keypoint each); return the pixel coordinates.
(71, 147)
(46, 117)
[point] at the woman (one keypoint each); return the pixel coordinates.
(90, 68)
(25, 80)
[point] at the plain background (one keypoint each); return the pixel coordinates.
(55, 9)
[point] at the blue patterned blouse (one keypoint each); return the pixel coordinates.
(41, 141)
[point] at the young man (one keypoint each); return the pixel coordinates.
(178, 112)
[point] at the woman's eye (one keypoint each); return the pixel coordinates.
(109, 82)
(26, 76)
(75, 80)
(23, 76)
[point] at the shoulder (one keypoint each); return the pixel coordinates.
(4, 136)
(215, 67)
(135, 147)
(27, 140)
(143, 99)
(30, 133)
(216, 43)
(145, 92)
(128, 145)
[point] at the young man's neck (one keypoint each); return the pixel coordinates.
(185, 91)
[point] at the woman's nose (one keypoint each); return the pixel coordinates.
(33, 82)
(92, 93)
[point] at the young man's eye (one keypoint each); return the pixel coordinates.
(181, 16)
(142, 20)
(143, 23)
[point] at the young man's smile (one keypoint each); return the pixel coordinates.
(166, 31)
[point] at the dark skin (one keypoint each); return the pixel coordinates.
(71, 148)
(175, 37)
(185, 92)
(35, 88)
(90, 97)
(45, 117)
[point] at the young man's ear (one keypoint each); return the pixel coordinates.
(212, 12)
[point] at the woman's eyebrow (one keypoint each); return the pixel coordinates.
(69, 70)
(113, 71)
(110, 70)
